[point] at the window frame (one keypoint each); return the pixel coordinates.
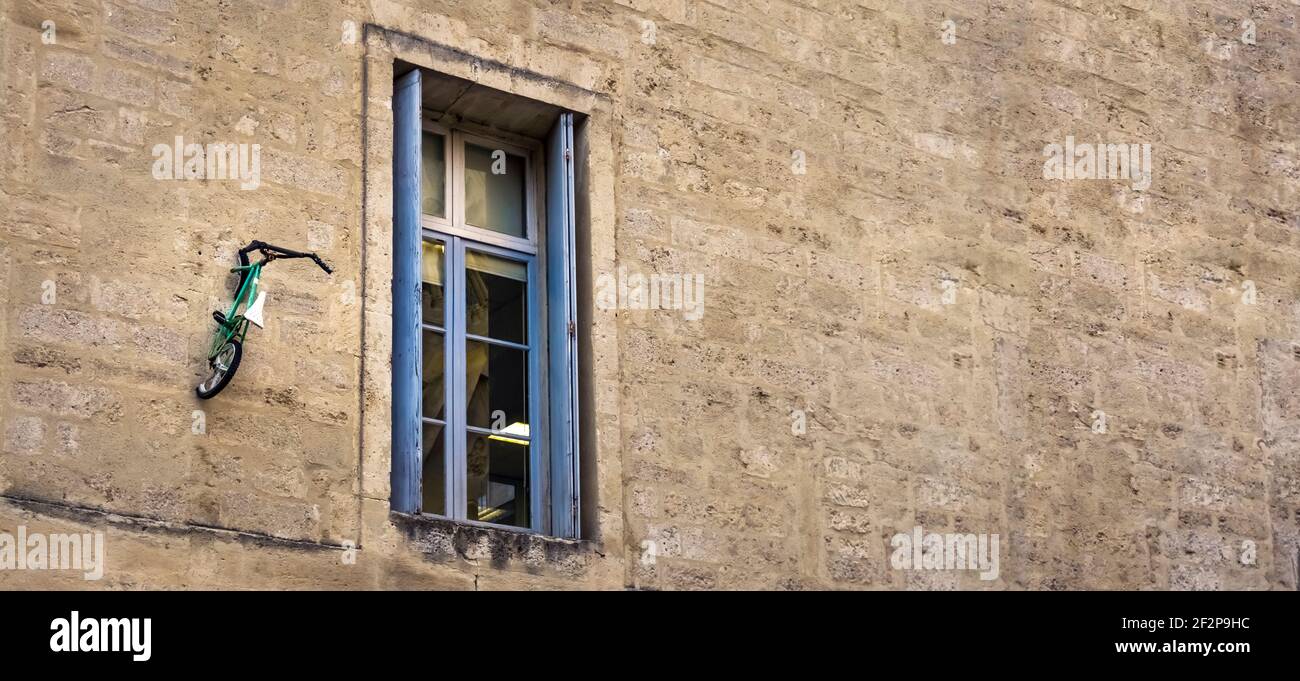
(559, 246)
(458, 237)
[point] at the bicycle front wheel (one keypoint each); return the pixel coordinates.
(221, 369)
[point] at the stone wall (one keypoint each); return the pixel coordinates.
(905, 322)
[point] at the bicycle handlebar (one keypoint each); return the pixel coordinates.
(322, 264)
(271, 252)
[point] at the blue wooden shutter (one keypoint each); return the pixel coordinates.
(561, 328)
(406, 293)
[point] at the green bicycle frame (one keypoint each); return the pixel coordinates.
(236, 326)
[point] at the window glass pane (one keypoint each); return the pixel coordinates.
(497, 483)
(496, 303)
(433, 174)
(496, 388)
(434, 472)
(495, 190)
(432, 385)
(432, 292)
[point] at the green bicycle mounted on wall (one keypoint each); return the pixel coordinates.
(228, 344)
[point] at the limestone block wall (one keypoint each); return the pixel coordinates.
(907, 320)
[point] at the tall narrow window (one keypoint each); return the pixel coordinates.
(480, 312)
(488, 342)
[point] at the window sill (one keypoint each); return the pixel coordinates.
(443, 540)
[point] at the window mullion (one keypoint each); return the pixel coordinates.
(457, 168)
(458, 416)
(448, 365)
(537, 468)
